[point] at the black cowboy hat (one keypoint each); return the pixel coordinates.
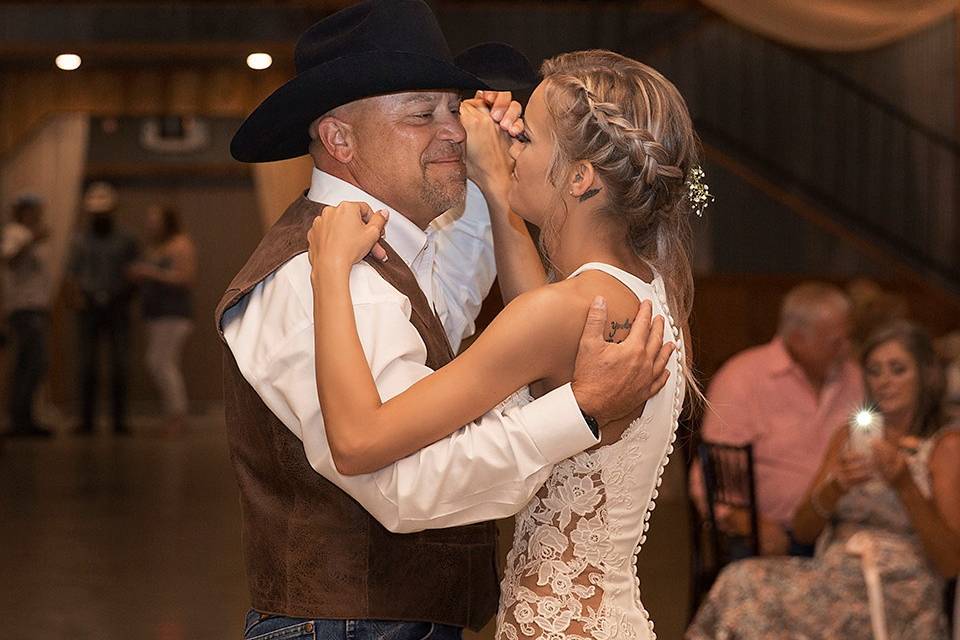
(370, 48)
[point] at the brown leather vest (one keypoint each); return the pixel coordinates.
(311, 551)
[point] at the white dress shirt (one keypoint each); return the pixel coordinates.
(487, 469)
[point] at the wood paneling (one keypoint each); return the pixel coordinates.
(27, 98)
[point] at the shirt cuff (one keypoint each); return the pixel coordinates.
(556, 425)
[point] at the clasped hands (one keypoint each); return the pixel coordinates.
(886, 461)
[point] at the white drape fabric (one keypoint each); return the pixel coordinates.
(835, 25)
(50, 164)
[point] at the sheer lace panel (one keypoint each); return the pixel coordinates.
(560, 548)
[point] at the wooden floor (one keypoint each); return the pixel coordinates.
(138, 537)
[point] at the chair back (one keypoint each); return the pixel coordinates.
(952, 606)
(729, 481)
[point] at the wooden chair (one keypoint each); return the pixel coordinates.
(729, 481)
(952, 607)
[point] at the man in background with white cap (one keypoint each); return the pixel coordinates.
(26, 298)
(100, 259)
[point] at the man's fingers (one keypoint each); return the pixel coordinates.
(655, 339)
(640, 331)
(596, 323)
(659, 383)
(663, 357)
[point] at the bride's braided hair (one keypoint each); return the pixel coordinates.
(633, 126)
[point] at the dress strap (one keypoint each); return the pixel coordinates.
(643, 290)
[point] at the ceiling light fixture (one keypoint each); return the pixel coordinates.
(259, 61)
(68, 61)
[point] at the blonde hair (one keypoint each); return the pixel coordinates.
(633, 126)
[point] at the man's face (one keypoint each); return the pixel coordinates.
(410, 151)
(826, 342)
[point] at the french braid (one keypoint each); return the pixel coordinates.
(633, 126)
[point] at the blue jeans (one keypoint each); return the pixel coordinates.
(260, 627)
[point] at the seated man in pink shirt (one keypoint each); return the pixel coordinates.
(786, 397)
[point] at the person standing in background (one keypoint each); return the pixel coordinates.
(27, 304)
(99, 262)
(167, 275)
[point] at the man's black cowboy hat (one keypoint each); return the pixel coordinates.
(370, 48)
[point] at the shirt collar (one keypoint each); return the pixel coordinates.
(780, 360)
(406, 238)
(781, 363)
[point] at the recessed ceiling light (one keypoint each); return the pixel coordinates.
(68, 61)
(259, 61)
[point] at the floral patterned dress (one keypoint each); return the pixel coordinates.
(826, 596)
(571, 572)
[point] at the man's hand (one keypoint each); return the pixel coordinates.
(612, 381)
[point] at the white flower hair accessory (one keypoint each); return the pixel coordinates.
(698, 191)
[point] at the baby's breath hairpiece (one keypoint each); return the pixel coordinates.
(698, 191)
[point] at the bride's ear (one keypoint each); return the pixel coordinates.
(582, 183)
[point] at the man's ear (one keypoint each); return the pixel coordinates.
(582, 180)
(336, 136)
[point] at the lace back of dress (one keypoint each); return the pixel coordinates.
(571, 572)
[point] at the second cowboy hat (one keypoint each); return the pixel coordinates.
(371, 48)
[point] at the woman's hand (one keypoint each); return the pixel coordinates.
(488, 158)
(851, 469)
(889, 462)
(345, 234)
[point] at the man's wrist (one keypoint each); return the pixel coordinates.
(587, 409)
(583, 401)
(592, 423)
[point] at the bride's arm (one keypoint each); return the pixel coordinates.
(528, 341)
(489, 164)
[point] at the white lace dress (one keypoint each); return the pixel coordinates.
(572, 570)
